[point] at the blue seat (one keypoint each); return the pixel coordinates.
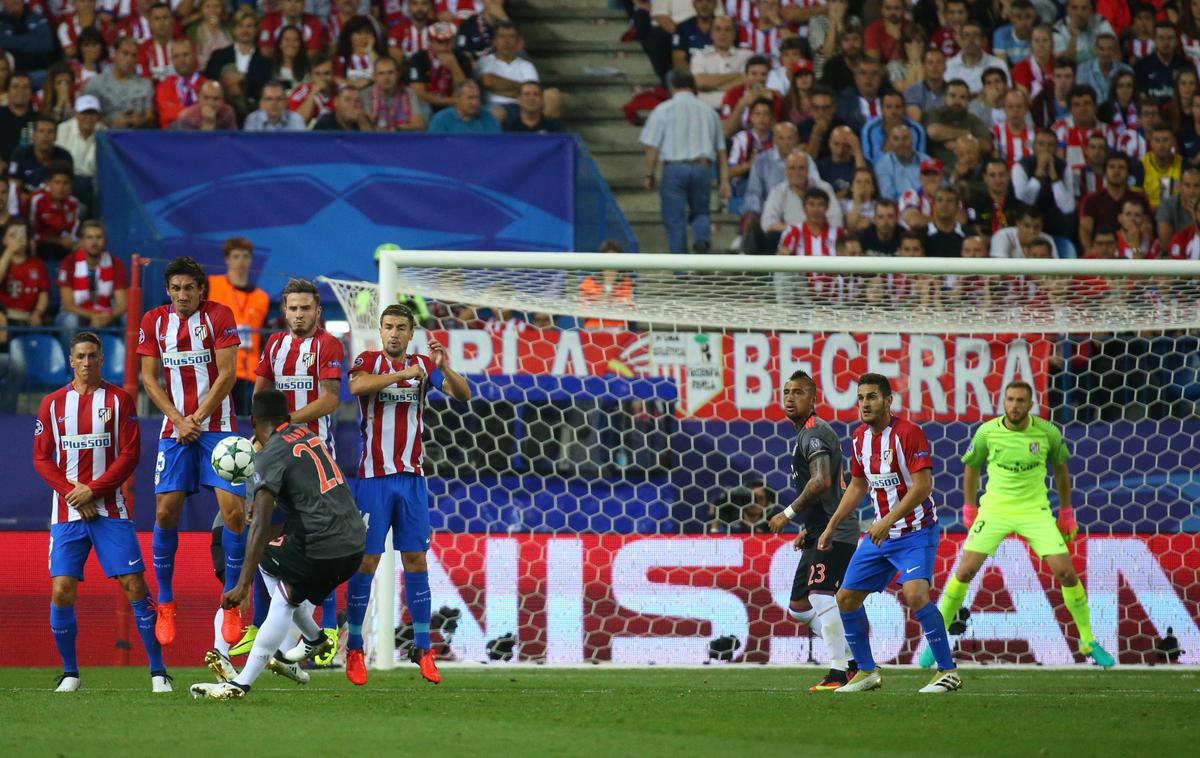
(42, 358)
(113, 346)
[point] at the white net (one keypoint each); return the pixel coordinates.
(603, 496)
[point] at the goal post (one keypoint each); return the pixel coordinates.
(592, 503)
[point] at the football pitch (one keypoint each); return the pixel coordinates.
(508, 710)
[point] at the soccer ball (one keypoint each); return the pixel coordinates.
(233, 459)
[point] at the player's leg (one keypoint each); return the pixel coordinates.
(69, 548)
(329, 628)
(816, 608)
(231, 500)
(869, 571)
(1044, 538)
(373, 497)
(411, 538)
(914, 556)
(175, 476)
(262, 597)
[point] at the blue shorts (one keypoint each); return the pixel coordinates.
(399, 502)
(115, 541)
(187, 468)
(912, 556)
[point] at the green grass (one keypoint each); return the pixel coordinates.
(723, 711)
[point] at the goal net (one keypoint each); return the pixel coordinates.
(604, 495)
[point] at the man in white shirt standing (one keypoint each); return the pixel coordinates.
(504, 71)
(972, 60)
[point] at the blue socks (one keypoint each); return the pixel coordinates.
(858, 637)
(329, 611)
(65, 628)
(262, 600)
(234, 545)
(934, 627)
(358, 593)
(420, 605)
(145, 616)
(163, 547)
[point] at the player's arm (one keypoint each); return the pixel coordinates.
(820, 480)
(185, 428)
(922, 485)
(44, 453)
(325, 404)
(850, 500)
(453, 384)
(226, 376)
(262, 383)
(364, 383)
(970, 494)
(127, 458)
(1066, 513)
(256, 544)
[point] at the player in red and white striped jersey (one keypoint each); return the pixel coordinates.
(86, 445)
(391, 385)
(194, 342)
(891, 463)
(305, 364)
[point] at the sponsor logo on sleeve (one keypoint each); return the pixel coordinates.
(38, 428)
(358, 361)
(921, 454)
(336, 364)
(141, 336)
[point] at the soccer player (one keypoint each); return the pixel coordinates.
(1016, 448)
(194, 342)
(321, 545)
(890, 461)
(817, 479)
(391, 385)
(86, 444)
(305, 364)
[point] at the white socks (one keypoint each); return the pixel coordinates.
(218, 640)
(831, 631)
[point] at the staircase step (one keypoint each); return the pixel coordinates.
(518, 7)
(625, 65)
(597, 100)
(588, 81)
(562, 11)
(542, 47)
(574, 31)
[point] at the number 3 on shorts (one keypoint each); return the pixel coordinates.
(978, 526)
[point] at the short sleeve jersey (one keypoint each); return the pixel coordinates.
(318, 510)
(297, 366)
(1016, 463)
(818, 440)
(391, 421)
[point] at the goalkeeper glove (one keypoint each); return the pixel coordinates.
(970, 513)
(1067, 526)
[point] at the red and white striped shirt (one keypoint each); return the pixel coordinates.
(92, 439)
(870, 107)
(1185, 245)
(1149, 248)
(324, 103)
(888, 461)
(355, 67)
(743, 12)
(154, 60)
(109, 277)
(460, 9)
(297, 366)
(746, 145)
(759, 41)
(1073, 139)
(187, 348)
(1012, 146)
(135, 26)
(810, 240)
(1132, 143)
(1136, 49)
(310, 28)
(915, 198)
(408, 37)
(391, 421)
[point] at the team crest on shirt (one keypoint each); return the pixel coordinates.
(201, 332)
(309, 359)
(886, 457)
(814, 444)
(104, 414)
(1034, 448)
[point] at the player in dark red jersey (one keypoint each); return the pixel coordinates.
(891, 463)
(86, 444)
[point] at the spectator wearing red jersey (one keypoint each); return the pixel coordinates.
(882, 37)
(91, 283)
(291, 13)
(1133, 241)
(83, 17)
(945, 37)
(24, 281)
(135, 22)
(1185, 245)
(389, 105)
(735, 106)
(1036, 71)
(210, 113)
(54, 214)
(412, 35)
(359, 47)
(182, 88)
(154, 55)
(436, 72)
(314, 98)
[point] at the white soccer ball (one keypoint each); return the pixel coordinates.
(233, 459)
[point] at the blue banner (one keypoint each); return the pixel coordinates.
(319, 203)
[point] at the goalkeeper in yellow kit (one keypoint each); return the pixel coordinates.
(1016, 448)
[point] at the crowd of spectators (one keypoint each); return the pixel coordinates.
(1023, 128)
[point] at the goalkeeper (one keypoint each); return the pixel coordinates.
(1015, 448)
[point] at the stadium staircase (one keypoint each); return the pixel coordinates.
(576, 46)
